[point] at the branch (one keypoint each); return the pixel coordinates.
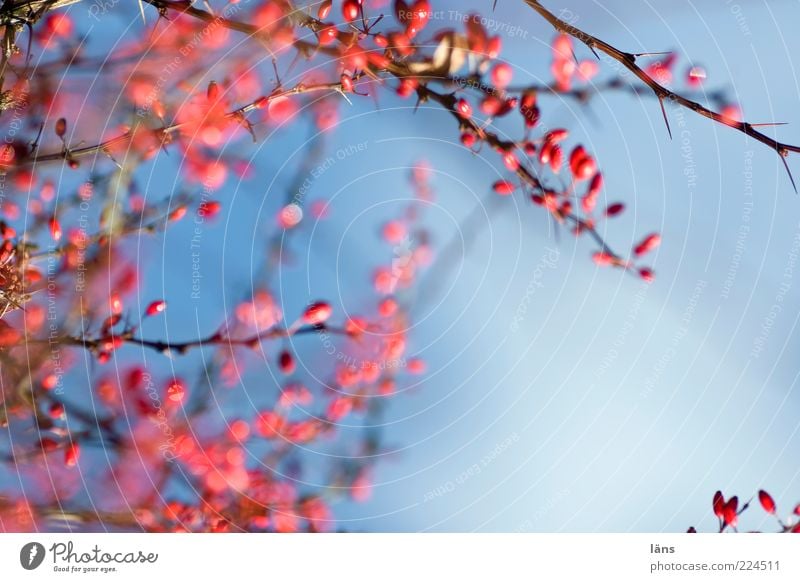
(628, 60)
(101, 344)
(449, 102)
(163, 132)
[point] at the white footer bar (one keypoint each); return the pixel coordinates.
(390, 557)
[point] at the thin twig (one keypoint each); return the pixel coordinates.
(236, 114)
(168, 347)
(628, 60)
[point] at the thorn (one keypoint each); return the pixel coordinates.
(788, 171)
(343, 94)
(773, 124)
(556, 229)
(277, 75)
(116, 163)
(377, 20)
(485, 124)
(666, 119)
(652, 54)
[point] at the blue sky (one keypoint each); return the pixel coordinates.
(616, 406)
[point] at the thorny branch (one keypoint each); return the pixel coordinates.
(628, 60)
(164, 132)
(169, 347)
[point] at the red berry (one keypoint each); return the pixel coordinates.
(582, 164)
(416, 366)
(595, 185)
(407, 87)
(211, 209)
(556, 158)
(511, 162)
(286, 362)
(8, 335)
(59, 25)
(328, 35)
(463, 108)
(387, 307)
(324, 9)
(176, 391)
(695, 76)
(177, 214)
(494, 46)
(648, 244)
(501, 75)
(503, 187)
(647, 275)
(61, 127)
(339, 408)
(55, 229)
(603, 259)
(48, 445)
(317, 313)
(212, 93)
(556, 136)
(56, 411)
(72, 454)
(350, 10)
(766, 501)
(290, 216)
(346, 82)
(156, 307)
(115, 304)
(50, 381)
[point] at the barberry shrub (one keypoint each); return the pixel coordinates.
(188, 90)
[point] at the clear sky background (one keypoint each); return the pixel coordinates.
(615, 406)
(559, 396)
